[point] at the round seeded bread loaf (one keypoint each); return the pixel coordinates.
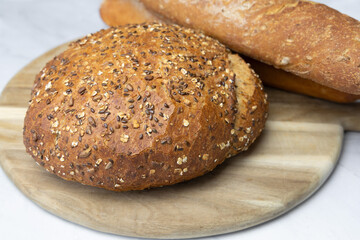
(141, 106)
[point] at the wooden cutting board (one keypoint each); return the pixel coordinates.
(294, 156)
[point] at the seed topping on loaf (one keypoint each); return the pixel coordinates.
(133, 107)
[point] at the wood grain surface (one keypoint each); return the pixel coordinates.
(296, 153)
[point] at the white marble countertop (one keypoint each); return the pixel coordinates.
(29, 28)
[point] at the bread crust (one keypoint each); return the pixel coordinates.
(278, 78)
(117, 12)
(140, 106)
(305, 38)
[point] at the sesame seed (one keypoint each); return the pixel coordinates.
(124, 138)
(48, 86)
(86, 153)
(71, 102)
(55, 124)
(88, 130)
(108, 165)
(149, 78)
(92, 121)
(136, 124)
(205, 157)
(98, 162)
(82, 90)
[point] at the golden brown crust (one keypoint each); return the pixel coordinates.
(305, 38)
(273, 77)
(116, 13)
(113, 12)
(136, 107)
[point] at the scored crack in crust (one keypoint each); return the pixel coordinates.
(141, 106)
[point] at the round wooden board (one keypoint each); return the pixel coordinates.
(294, 156)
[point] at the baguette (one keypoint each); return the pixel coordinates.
(277, 78)
(305, 38)
(142, 106)
(121, 12)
